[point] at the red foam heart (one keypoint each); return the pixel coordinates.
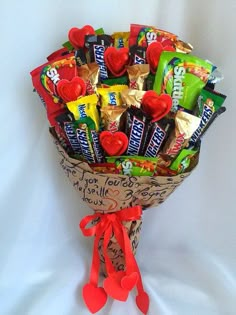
(153, 54)
(77, 35)
(156, 106)
(142, 301)
(94, 297)
(129, 282)
(71, 90)
(112, 286)
(117, 60)
(63, 67)
(114, 143)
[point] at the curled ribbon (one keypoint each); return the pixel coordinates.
(118, 284)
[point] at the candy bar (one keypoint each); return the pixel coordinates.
(137, 125)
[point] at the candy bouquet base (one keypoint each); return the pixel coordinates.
(127, 112)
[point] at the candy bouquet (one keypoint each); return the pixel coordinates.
(127, 112)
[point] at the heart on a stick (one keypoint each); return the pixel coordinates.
(154, 51)
(156, 106)
(114, 143)
(117, 60)
(77, 35)
(71, 90)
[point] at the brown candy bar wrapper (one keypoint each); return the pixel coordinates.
(132, 97)
(90, 74)
(185, 125)
(80, 57)
(115, 253)
(111, 117)
(137, 75)
(112, 192)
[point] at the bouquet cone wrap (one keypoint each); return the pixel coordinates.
(117, 201)
(111, 192)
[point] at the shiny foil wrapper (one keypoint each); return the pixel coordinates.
(137, 75)
(185, 125)
(111, 117)
(132, 97)
(90, 74)
(183, 47)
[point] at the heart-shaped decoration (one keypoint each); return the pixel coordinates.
(156, 106)
(128, 282)
(114, 143)
(117, 60)
(77, 35)
(112, 286)
(113, 192)
(51, 73)
(153, 54)
(71, 90)
(142, 301)
(94, 297)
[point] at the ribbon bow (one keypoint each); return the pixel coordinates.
(118, 284)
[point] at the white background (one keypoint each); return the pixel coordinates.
(187, 252)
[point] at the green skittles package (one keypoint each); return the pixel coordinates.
(183, 160)
(182, 76)
(134, 165)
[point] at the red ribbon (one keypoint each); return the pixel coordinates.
(118, 284)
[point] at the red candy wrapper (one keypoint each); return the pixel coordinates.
(143, 35)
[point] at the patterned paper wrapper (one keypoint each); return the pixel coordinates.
(109, 193)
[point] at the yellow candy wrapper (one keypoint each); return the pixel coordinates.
(111, 95)
(121, 39)
(85, 107)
